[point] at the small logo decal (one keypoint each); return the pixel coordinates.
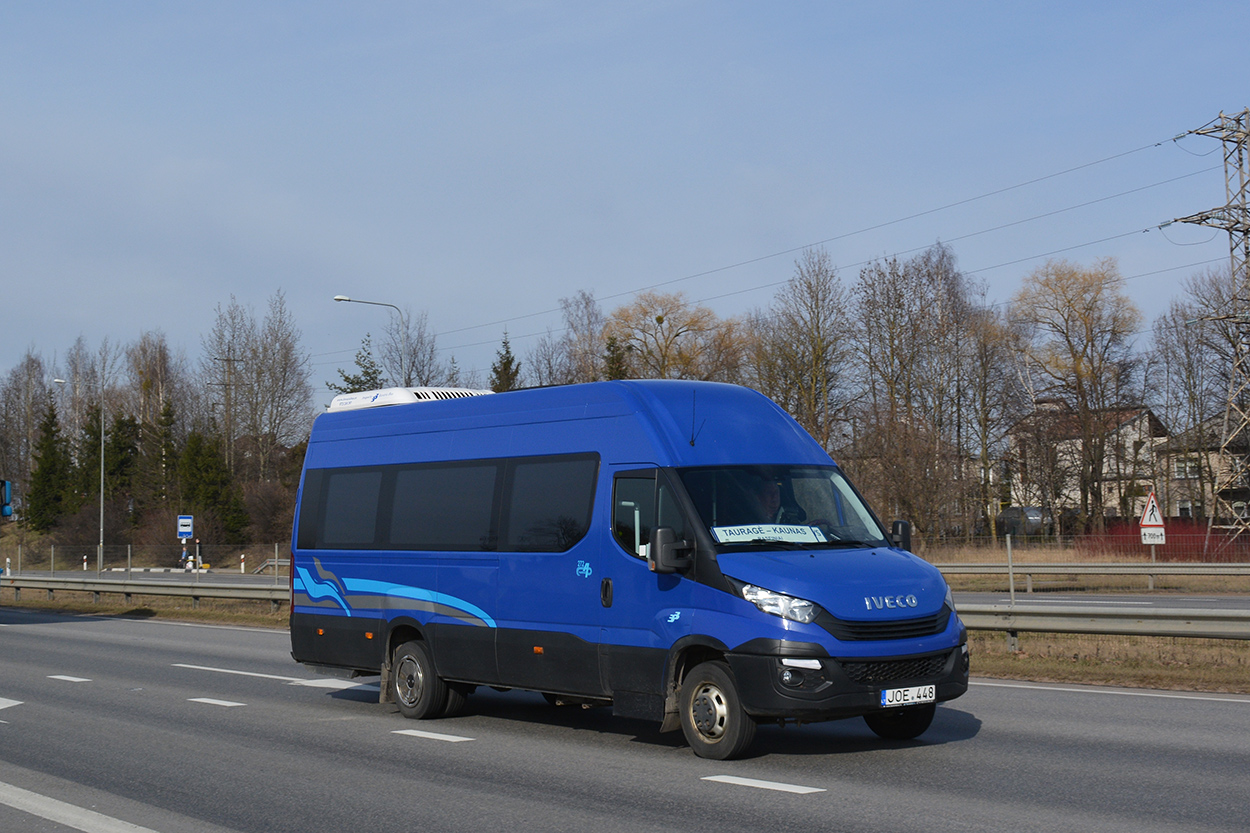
(583, 569)
(674, 617)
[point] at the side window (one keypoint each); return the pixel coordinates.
(633, 510)
(353, 494)
(642, 501)
(550, 502)
(444, 507)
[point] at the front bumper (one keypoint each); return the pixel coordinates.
(826, 688)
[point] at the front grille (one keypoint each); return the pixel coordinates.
(876, 672)
(849, 631)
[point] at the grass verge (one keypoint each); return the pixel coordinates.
(174, 608)
(1178, 664)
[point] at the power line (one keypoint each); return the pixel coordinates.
(832, 239)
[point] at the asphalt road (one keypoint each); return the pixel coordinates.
(112, 725)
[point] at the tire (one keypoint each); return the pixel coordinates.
(457, 697)
(417, 690)
(901, 724)
(712, 717)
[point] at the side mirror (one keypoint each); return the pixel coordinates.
(662, 552)
(900, 534)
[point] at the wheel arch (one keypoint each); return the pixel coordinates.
(400, 630)
(685, 654)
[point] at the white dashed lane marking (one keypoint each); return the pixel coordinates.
(68, 679)
(65, 814)
(776, 786)
(210, 701)
(417, 733)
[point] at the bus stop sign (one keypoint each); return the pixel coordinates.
(186, 526)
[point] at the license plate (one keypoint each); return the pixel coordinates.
(892, 697)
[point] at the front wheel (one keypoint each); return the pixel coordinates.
(901, 724)
(417, 690)
(712, 717)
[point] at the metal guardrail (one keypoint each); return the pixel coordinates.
(1093, 619)
(276, 594)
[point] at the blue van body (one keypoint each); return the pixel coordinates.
(431, 524)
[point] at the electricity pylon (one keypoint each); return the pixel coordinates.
(1232, 481)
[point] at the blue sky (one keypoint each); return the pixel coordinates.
(480, 161)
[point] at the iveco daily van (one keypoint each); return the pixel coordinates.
(681, 551)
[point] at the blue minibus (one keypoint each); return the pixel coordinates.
(681, 551)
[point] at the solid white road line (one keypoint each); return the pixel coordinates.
(417, 733)
(210, 701)
(334, 683)
(68, 679)
(762, 785)
(1118, 693)
(68, 815)
(238, 673)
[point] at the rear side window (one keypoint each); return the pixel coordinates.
(529, 504)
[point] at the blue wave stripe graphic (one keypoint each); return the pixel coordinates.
(403, 591)
(318, 590)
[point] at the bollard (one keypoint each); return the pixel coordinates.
(242, 560)
(8, 569)
(84, 563)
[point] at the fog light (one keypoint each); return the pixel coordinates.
(792, 677)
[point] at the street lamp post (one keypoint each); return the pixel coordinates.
(403, 322)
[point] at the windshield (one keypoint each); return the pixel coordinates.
(801, 505)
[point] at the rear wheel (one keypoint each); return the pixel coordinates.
(712, 717)
(417, 690)
(901, 724)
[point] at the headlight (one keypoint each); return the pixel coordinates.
(950, 598)
(779, 604)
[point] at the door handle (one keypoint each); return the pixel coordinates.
(605, 592)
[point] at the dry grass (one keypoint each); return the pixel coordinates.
(174, 608)
(1135, 661)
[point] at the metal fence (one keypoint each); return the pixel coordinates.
(137, 558)
(1185, 543)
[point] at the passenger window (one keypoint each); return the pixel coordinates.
(354, 496)
(550, 503)
(447, 507)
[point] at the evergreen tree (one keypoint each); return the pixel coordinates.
(505, 373)
(615, 359)
(51, 479)
(209, 493)
(370, 375)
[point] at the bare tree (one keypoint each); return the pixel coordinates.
(797, 351)
(911, 346)
(260, 372)
(665, 338)
(408, 351)
(1078, 326)
(576, 353)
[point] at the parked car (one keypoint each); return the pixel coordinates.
(1019, 521)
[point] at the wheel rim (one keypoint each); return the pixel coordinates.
(709, 712)
(409, 681)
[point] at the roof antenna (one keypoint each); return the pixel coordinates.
(693, 433)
